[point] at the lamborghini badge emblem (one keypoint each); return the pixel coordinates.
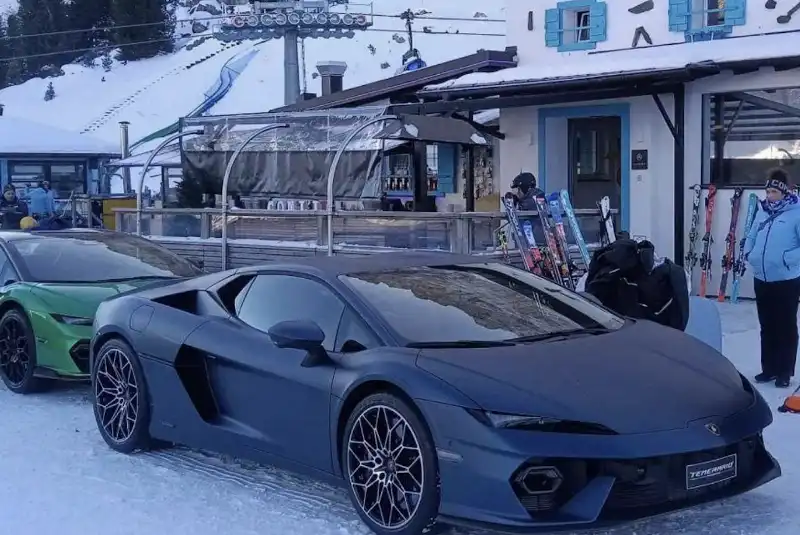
(713, 429)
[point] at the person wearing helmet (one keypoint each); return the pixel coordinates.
(524, 189)
(12, 209)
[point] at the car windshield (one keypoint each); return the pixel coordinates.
(477, 303)
(97, 257)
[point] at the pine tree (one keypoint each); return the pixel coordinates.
(94, 14)
(4, 53)
(155, 38)
(106, 62)
(50, 92)
(16, 70)
(44, 17)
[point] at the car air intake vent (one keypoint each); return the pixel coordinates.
(186, 301)
(79, 353)
(197, 302)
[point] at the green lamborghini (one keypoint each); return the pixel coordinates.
(52, 283)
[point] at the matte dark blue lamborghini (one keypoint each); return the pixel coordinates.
(439, 389)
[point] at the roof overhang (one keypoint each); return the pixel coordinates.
(170, 156)
(410, 82)
(546, 91)
(433, 130)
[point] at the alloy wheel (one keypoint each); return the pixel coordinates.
(385, 467)
(116, 395)
(14, 351)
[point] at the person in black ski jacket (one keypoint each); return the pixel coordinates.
(12, 208)
(525, 191)
(626, 277)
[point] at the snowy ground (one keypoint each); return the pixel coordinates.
(57, 476)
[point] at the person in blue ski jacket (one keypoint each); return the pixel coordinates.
(41, 202)
(772, 248)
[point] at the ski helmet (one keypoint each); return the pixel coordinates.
(524, 181)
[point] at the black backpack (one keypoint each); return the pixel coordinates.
(624, 277)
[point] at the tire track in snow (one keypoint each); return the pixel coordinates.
(308, 494)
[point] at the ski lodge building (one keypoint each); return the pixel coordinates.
(640, 101)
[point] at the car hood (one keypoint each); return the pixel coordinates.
(81, 300)
(639, 379)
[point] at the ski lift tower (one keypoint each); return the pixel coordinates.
(292, 20)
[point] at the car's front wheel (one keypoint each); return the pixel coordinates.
(120, 399)
(390, 465)
(18, 353)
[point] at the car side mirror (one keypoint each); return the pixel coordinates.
(297, 334)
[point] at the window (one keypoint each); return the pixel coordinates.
(64, 177)
(582, 26)
(703, 20)
(84, 257)
(353, 335)
(272, 299)
(747, 133)
(486, 302)
(5, 268)
(575, 25)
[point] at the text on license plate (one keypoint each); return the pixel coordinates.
(711, 472)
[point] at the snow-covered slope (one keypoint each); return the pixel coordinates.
(153, 93)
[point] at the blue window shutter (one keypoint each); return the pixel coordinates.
(552, 27)
(597, 22)
(679, 15)
(735, 12)
(447, 168)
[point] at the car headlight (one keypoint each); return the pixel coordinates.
(500, 420)
(72, 320)
(539, 423)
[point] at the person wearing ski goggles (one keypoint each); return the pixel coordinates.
(772, 249)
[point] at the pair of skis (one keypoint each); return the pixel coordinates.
(552, 260)
(730, 264)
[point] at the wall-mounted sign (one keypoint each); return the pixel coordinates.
(639, 159)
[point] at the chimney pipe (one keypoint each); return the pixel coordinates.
(332, 76)
(125, 149)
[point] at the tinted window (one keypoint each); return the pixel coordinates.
(272, 299)
(476, 302)
(7, 273)
(353, 333)
(97, 257)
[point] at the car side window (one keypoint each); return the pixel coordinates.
(354, 335)
(7, 272)
(271, 299)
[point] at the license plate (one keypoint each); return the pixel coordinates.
(710, 472)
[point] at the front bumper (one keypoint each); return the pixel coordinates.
(62, 350)
(602, 479)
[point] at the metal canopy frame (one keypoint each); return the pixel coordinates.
(743, 116)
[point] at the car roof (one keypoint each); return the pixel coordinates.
(332, 266)
(16, 235)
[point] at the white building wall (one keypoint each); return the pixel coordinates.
(651, 191)
(620, 27)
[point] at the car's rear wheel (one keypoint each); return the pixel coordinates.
(18, 354)
(390, 465)
(121, 406)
